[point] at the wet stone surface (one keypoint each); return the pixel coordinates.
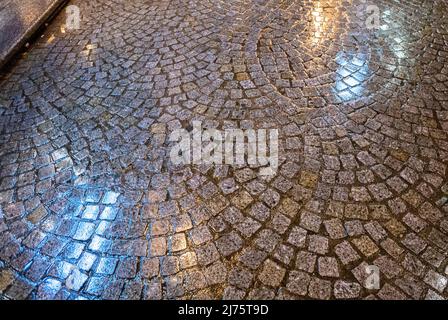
(92, 208)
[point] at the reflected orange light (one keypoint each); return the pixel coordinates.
(51, 38)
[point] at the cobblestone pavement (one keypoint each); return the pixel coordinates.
(92, 208)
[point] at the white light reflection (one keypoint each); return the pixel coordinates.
(318, 23)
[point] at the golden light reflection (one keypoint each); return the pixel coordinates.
(88, 52)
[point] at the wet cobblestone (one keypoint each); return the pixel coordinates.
(92, 208)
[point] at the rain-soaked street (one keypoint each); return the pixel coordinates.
(91, 207)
